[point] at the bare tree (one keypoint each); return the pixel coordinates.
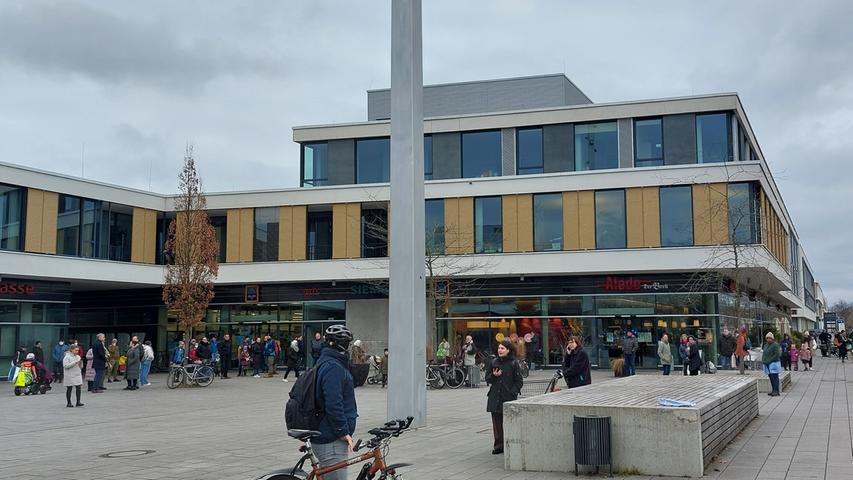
(192, 250)
(844, 311)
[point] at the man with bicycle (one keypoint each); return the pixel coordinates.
(336, 396)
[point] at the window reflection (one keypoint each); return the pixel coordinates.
(548, 222)
(373, 160)
(315, 164)
(676, 216)
(481, 154)
(488, 225)
(648, 143)
(11, 213)
(529, 151)
(596, 146)
(713, 138)
(610, 230)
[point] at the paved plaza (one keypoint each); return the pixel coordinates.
(234, 430)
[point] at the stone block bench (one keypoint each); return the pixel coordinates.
(785, 379)
(646, 438)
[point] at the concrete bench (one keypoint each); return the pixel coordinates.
(646, 438)
(785, 379)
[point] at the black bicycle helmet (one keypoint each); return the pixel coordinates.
(339, 336)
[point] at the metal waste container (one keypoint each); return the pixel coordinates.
(592, 442)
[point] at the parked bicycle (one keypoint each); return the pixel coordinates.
(200, 374)
(435, 376)
(375, 468)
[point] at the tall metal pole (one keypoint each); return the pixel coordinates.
(407, 297)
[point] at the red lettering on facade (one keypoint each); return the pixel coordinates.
(311, 292)
(16, 289)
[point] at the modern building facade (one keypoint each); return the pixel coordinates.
(546, 213)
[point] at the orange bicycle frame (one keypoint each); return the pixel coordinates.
(378, 465)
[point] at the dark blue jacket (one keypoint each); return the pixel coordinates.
(99, 360)
(269, 348)
(59, 352)
(336, 395)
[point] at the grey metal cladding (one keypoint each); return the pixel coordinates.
(626, 143)
(486, 96)
(679, 139)
(446, 155)
(558, 147)
(508, 161)
(341, 162)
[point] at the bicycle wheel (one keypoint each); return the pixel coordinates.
(525, 369)
(175, 378)
(204, 377)
(456, 377)
(438, 381)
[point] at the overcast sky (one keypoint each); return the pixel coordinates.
(135, 81)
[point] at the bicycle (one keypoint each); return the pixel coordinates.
(435, 376)
(375, 458)
(525, 368)
(199, 374)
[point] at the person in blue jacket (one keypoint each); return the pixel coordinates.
(57, 355)
(336, 394)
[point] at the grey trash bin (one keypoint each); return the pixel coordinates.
(592, 442)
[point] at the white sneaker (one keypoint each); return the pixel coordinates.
(256, 376)
(284, 380)
(146, 384)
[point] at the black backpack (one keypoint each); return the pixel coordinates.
(302, 411)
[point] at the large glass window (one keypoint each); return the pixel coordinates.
(220, 229)
(120, 226)
(596, 146)
(481, 154)
(529, 151)
(676, 216)
(743, 213)
(265, 246)
(808, 284)
(315, 164)
(319, 242)
(428, 157)
(90, 228)
(374, 233)
(373, 160)
(648, 142)
(713, 138)
(488, 225)
(610, 231)
(68, 226)
(548, 222)
(434, 228)
(11, 216)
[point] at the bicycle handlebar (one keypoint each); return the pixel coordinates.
(391, 429)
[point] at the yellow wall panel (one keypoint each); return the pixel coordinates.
(719, 199)
(701, 215)
(634, 216)
(651, 216)
(525, 223)
(285, 233)
(354, 230)
(149, 249)
(232, 236)
(49, 220)
(586, 219)
(137, 235)
(339, 230)
(466, 225)
(299, 228)
(509, 212)
(571, 225)
(247, 234)
(451, 226)
(35, 213)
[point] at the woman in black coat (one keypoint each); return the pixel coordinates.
(693, 358)
(504, 378)
(576, 364)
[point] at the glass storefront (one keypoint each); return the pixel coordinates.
(24, 323)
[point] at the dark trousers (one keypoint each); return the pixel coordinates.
(628, 370)
(258, 363)
(666, 369)
(288, 369)
(68, 393)
(132, 383)
(786, 361)
(774, 382)
(693, 373)
(58, 371)
(224, 364)
(684, 368)
(99, 378)
(498, 430)
(384, 379)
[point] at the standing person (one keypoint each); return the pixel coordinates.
(841, 343)
(665, 353)
(824, 338)
(794, 357)
(316, 346)
(277, 345)
(336, 390)
(147, 358)
(38, 352)
(269, 355)
(257, 357)
(90, 371)
(71, 363)
(806, 356)
(785, 345)
(629, 351)
(293, 355)
(505, 382)
(224, 355)
(535, 351)
(694, 358)
(576, 364)
(133, 364)
(115, 355)
(770, 357)
(17, 360)
(214, 353)
(383, 367)
(180, 354)
(683, 351)
(442, 351)
(727, 345)
(99, 362)
(741, 350)
(58, 355)
(470, 361)
(203, 350)
(245, 358)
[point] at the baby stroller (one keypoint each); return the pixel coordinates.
(31, 379)
(376, 377)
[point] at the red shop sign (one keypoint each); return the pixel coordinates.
(16, 289)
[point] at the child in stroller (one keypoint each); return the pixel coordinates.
(33, 377)
(376, 377)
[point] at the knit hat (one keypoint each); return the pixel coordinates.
(770, 336)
